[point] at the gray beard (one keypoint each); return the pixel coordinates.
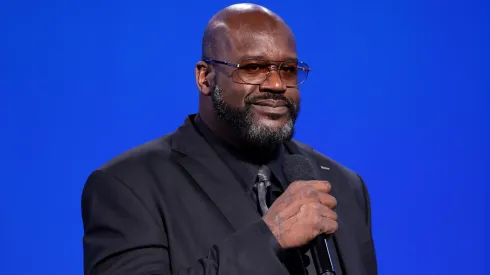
(255, 134)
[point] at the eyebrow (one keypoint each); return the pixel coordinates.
(261, 57)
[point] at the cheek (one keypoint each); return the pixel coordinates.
(235, 94)
(293, 95)
(234, 98)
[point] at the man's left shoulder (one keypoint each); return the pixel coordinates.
(327, 163)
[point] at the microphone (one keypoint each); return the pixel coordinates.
(297, 167)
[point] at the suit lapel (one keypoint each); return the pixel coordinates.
(345, 237)
(213, 176)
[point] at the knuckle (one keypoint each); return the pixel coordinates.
(304, 208)
(309, 209)
(296, 185)
(318, 221)
(316, 207)
(311, 192)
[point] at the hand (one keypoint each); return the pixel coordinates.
(302, 212)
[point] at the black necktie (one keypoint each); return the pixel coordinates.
(263, 182)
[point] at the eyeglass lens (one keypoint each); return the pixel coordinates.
(256, 71)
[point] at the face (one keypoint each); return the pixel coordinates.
(264, 114)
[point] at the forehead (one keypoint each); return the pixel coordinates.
(277, 44)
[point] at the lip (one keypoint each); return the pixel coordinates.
(271, 109)
(271, 103)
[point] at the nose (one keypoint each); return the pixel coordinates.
(273, 83)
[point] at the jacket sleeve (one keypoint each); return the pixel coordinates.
(123, 236)
(367, 210)
(367, 204)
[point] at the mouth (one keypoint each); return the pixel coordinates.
(272, 109)
(271, 103)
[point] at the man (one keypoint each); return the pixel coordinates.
(187, 203)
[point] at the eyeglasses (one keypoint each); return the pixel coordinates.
(255, 72)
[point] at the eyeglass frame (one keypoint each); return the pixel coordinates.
(237, 67)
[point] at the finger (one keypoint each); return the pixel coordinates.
(329, 226)
(313, 195)
(291, 205)
(320, 186)
(325, 219)
(327, 200)
(330, 214)
(324, 211)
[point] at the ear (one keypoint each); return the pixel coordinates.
(204, 75)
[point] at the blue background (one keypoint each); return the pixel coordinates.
(399, 92)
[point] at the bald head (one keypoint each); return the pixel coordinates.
(239, 26)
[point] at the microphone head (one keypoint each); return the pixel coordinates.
(297, 167)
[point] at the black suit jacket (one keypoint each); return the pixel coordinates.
(171, 206)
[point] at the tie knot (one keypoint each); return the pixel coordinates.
(264, 174)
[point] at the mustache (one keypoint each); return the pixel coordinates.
(279, 97)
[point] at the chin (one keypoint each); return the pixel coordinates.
(272, 118)
(273, 124)
(269, 133)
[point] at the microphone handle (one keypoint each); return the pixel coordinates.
(321, 255)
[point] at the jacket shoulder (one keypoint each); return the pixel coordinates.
(159, 145)
(319, 158)
(138, 162)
